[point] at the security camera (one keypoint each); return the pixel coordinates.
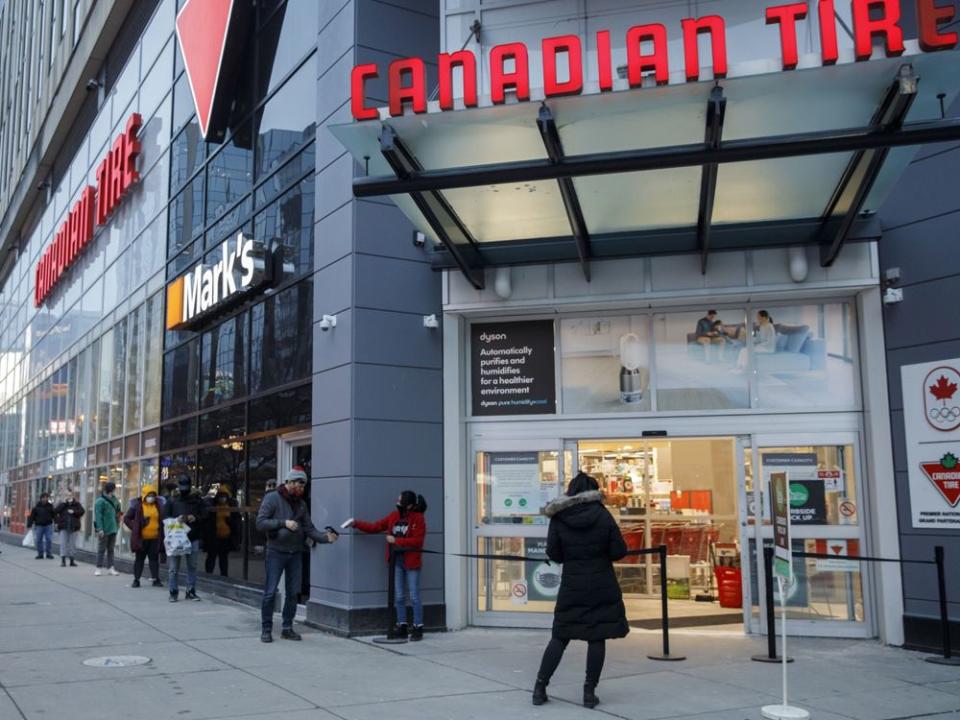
(93, 84)
(327, 322)
(419, 239)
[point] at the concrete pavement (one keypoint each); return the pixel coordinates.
(206, 663)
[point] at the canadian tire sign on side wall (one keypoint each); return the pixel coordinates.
(931, 416)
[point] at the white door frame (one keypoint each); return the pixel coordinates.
(285, 445)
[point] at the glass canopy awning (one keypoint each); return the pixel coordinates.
(787, 158)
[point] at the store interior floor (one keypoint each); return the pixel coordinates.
(644, 613)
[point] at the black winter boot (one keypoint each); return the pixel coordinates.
(590, 699)
(540, 691)
(400, 632)
(63, 562)
(73, 563)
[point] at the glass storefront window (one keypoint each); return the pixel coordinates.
(261, 469)
(605, 364)
(823, 483)
(290, 220)
(496, 579)
(224, 362)
(701, 360)
(229, 174)
(105, 386)
(281, 346)
(118, 363)
(512, 487)
(134, 368)
(812, 361)
(288, 120)
(286, 39)
(153, 360)
(221, 478)
(181, 379)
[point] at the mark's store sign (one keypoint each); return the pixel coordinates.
(116, 174)
(646, 47)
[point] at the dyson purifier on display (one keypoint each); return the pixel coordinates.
(631, 377)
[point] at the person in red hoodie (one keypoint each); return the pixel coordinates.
(406, 530)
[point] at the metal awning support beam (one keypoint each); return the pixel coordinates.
(578, 226)
(766, 148)
(435, 209)
(716, 110)
(864, 167)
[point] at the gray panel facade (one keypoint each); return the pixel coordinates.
(920, 226)
(377, 405)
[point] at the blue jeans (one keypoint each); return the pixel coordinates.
(408, 580)
(290, 565)
(174, 568)
(43, 536)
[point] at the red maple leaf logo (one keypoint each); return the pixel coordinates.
(944, 389)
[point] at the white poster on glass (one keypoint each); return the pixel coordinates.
(931, 419)
(515, 483)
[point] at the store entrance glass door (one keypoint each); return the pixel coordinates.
(685, 493)
(296, 450)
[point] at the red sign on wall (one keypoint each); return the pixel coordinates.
(646, 51)
(116, 174)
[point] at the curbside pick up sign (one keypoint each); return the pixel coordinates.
(931, 417)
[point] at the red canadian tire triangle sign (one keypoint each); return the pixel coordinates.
(212, 34)
(945, 475)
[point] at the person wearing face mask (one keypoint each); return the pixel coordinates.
(106, 522)
(41, 520)
(146, 533)
(285, 520)
(222, 531)
(406, 530)
(67, 517)
(188, 507)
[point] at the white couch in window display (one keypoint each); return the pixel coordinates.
(797, 351)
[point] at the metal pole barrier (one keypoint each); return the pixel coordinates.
(771, 656)
(947, 658)
(664, 613)
(391, 638)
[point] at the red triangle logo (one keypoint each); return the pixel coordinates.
(946, 480)
(837, 549)
(202, 30)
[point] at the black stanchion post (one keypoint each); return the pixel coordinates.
(771, 655)
(947, 658)
(664, 612)
(391, 638)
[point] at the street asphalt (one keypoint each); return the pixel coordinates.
(206, 662)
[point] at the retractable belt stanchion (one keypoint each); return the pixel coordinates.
(947, 658)
(771, 655)
(391, 638)
(665, 618)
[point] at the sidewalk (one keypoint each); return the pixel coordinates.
(207, 663)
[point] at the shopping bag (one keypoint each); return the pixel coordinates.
(176, 540)
(29, 540)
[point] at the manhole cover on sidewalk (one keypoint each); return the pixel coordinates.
(112, 661)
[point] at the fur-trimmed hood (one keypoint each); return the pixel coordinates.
(565, 502)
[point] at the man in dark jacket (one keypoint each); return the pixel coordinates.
(67, 518)
(41, 520)
(284, 517)
(585, 539)
(188, 507)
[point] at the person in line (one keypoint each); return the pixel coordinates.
(221, 531)
(146, 533)
(406, 530)
(764, 341)
(585, 538)
(284, 518)
(709, 335)
(187, 506)
(106, 523)
(41, 520)
(67, 516)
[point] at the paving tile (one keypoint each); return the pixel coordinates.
(900, 702)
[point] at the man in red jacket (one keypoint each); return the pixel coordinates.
(406, 529)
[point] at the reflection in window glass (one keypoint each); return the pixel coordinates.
(289, 35)
(105, 386)
(181, 381)
(224, 364)
(229, 174)
(606, 364)
(173, 466)
(285, 409)
(118, 364)
(153, 360)
(287, 121)
(304, 162)
(223, 424)
(290, 220)
(810, 362)
(699, 360)
(220, 473)
(186, 216)
(187, 153)
(135, 341)
(282, 338)
(261, 470)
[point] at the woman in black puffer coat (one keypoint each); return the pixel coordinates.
(584, 537)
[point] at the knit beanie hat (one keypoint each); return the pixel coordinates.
(296, 474)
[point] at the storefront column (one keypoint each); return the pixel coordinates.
(880, 481)
(455, 472)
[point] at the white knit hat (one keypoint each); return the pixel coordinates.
(296, 474)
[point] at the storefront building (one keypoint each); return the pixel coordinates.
(299, 233)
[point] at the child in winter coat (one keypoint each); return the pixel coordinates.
(406, 530)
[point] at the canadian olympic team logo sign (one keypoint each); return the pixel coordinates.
(941, 402)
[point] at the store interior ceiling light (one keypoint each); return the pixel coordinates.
(497, 186)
